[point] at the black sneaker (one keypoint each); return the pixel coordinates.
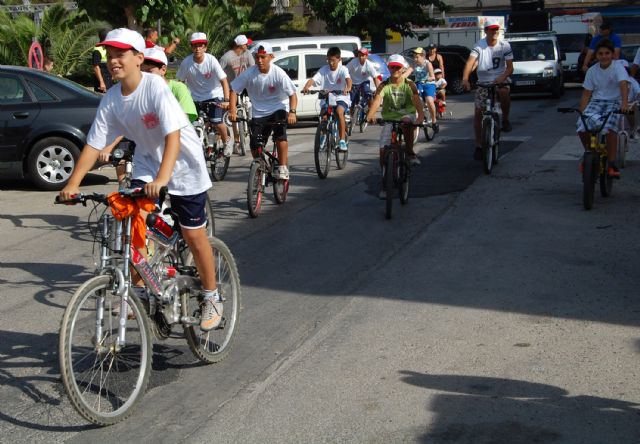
(506, 126)
(477, 154)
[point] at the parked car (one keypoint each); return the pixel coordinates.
(300, 65)
(44, 121)
(344, 42)
(628, 52)
(537, 63)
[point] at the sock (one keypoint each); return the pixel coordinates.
(211, 294)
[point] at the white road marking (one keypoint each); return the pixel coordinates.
(570, 148)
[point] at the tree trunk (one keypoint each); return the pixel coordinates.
(379, 41)
(132, 22)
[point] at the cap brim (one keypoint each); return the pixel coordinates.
(116, 44)
(399, 65)
(492, 27)
(193, 42)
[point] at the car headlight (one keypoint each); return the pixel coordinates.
(548, 72)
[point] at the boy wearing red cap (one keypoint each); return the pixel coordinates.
(362, 72)
(168, 153)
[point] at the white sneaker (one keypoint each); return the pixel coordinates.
(282, 173)
(228, 148)
(211, 316)
(343, 145)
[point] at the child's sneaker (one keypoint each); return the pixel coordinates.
(343, 145)
(282, 173)
(228, 148)
(211, 315)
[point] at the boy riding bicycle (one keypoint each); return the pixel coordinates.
(274, 99)
(400, 101)
(362, 72)
(441, 85)
(142, 108)
(334, 77)
(605, 91)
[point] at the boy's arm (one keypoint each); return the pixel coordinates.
(441, 60)
(233, 106)
(225, 92)
(584, 101)
(305, 88)
(375, 104)
(349, 85)
(417, 102)
(468, 68)
(85, 163)
(293, 104)
(169, 157)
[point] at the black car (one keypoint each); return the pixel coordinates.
(44, 123)
(454, 57)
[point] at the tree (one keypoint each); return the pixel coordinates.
(374, 17)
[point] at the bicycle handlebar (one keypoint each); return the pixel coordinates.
(136, 193)
(381, 121)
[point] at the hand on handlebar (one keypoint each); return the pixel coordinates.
(224, 105)
(153, 189)
(233, 115)
(69, 192)
(291, 118)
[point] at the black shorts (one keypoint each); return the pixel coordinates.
(212, 108)
(189, 209)
(261, 129)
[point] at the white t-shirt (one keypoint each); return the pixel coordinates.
(333, 81)
(636, 59)
(268, 92)
(203, 79)
(441, 83)
(634, 89)
(605, 83)
(491, 59)
(361, 73)
(146, 116)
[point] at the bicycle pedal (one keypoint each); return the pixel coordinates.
(189, 320)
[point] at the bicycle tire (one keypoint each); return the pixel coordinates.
(589, 172)
(255, 189)
(350, 122)
(606, 181)
(388, 182)
(363, 125)
(342, 156)
(211, 219)
(220, 166)
(280, 190)
(495, 152)
(623, 145)
(132, 373)
(322, 151)
(242, 132)
(403, 182)
(487, 146)
(214, 345)
(429, 132)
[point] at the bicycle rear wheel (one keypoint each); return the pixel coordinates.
(219, 165)
(322, 151)
(590, 165)
(280, 190)
(341, 157)
(389, 172)
(242, 132)
(214, 345)
(487, 146)
(255, 189)
(104, 380)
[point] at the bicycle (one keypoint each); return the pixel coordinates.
(624, 135)
(123, 154)
(105, 340)
(261, 174)
(243, 112)
(594, 159)
(359, 111)
(441, 107)
(396, 166)
(212, 143)
(490, 127)
(327, 136)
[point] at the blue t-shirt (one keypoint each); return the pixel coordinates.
(617, 43)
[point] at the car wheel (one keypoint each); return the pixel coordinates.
(51, 162)
(456, 86)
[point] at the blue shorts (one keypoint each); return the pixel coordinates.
(361, 90)
(342, 104)
(212, 108)
(190, 210)
(426, 90)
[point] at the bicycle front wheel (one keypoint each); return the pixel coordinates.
(211, 220)
(104, 379)
(214, 345)
(403, 182)
(341, 158)
(219, 166)
(487, 146)
(590, 165)
(322, 151)
(255, 189)
(606, 181)
(388, 183)
(429, 132)
(242, 132)
(623, 146)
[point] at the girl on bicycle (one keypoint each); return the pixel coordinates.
(605, 91)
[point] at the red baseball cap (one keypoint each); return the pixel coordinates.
(363, 51)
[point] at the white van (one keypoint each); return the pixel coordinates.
(572, 32)
(344, 42)
(300, 65)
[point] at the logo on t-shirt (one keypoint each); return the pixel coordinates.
(150, 120)
(339, 80)
(207, 75)
(272, 88)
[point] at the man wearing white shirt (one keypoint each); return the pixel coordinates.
(273, 98)
(208, 84)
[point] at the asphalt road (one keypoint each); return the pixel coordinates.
(490, 309)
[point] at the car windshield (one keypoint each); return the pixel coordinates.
(529, 50)
(571, 42)
(70, 84)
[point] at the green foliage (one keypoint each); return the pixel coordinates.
(66, 36)
(362, 17)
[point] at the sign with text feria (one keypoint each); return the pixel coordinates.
(472, 21)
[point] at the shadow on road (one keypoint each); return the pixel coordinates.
(476, 409)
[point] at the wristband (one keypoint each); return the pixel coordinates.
(293, 111)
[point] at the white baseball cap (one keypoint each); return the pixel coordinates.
(435, 71)
(156, 54)
(198, 37)
(397, 60)
(262, 48)
(492, 23)
(242, 40)
(124, 38)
